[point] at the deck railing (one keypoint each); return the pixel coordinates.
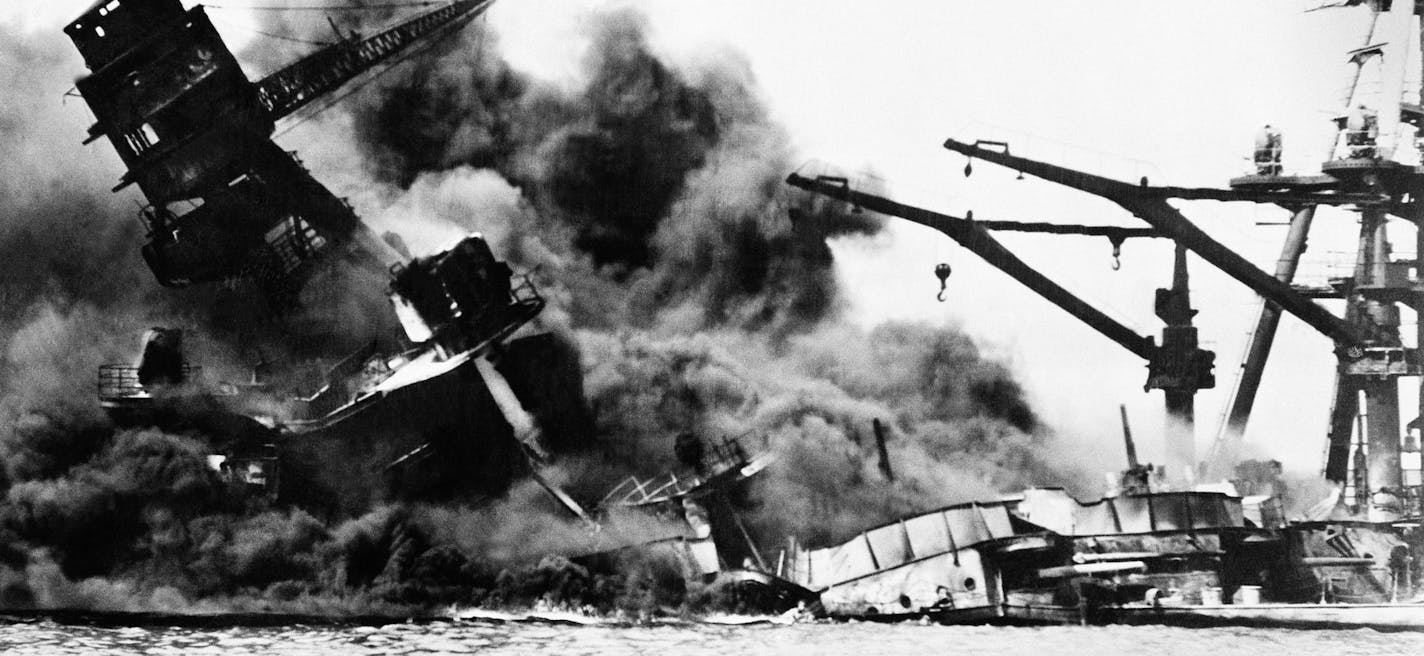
(120, 381)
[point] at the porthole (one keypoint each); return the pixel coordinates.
(970, 583)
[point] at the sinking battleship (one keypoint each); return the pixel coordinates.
(1192, 551)
(459, 406)
(455, 407)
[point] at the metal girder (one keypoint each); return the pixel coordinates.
(975, 238)
(1284, 198)
(1243, 397)
(295, 86)
(1113, 233)
(1343, 411)
(1153, 209)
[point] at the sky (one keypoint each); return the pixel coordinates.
(1174, 91)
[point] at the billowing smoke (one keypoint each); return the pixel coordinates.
(650, 196)
(957, 427)
(649, 199)
(646, 203)
(69, 272)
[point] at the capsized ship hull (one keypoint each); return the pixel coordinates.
(955, 564)
(1178, 558)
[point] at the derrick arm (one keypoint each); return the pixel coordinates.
(1343, 411)
(1286, 197)
(1226, 449)
(295, 86)
(974, 238)
(1113, 233)
(1152, 207)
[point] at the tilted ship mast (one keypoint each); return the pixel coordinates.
(195, 133)
(457, 411)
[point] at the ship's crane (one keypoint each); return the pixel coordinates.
(1373, 169)
(293, 87)
(1177, 366)
(195, 134)
(1150, 204)
(1367, 348)
(1226, 448)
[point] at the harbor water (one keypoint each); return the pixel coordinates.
(690, 638)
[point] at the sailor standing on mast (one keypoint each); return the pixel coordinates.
(1268, 151)
(1361, 128)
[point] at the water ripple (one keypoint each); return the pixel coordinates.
(51, 638)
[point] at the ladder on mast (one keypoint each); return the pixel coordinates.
(297, 85)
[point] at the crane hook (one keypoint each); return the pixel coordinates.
(942, 271)
(969, 167)
(1116, 253)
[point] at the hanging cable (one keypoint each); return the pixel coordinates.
(437, 38)
(271, 35)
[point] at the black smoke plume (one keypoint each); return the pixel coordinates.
(646, 202)
(655, 193)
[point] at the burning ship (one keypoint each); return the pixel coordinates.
(455, 407)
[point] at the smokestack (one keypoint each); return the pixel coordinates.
(884, 455)
(1127, 437)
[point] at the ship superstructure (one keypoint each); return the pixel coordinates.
(458, 414)
(226, 202)
(456, 407)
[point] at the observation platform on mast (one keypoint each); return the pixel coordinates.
(1345, 166)
(1285, 183)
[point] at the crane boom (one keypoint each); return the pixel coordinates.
(227, 203)
(1152, 207)
(1113, 233)
(1226, 449)
(981, 243)
(1177, 367)
(297, 85)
